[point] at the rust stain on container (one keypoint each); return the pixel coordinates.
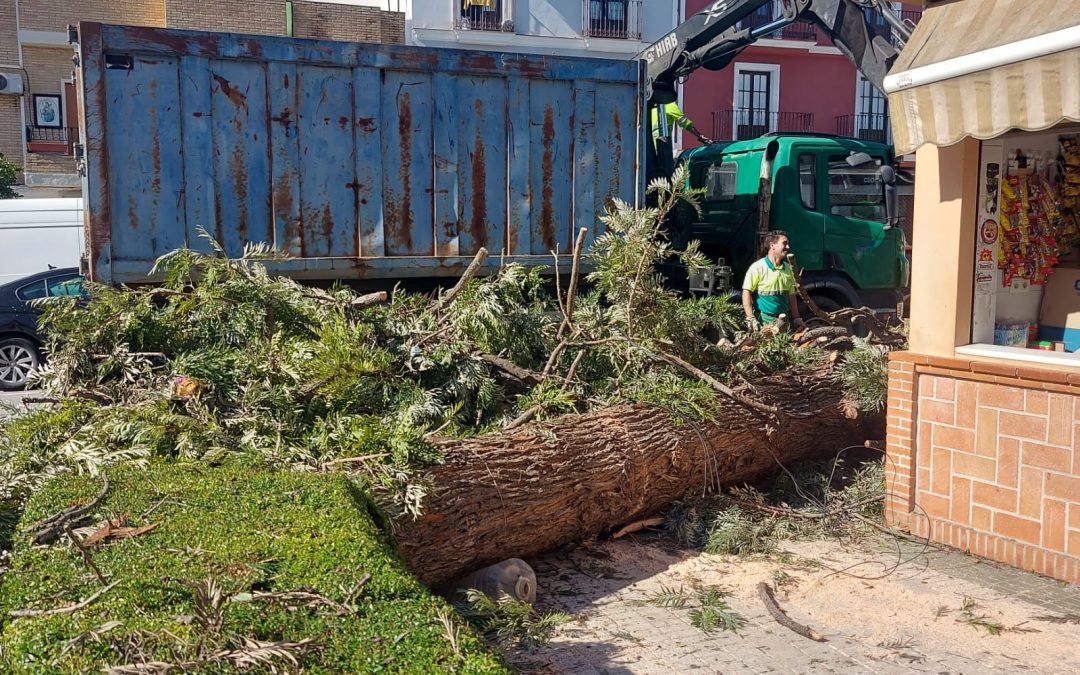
(284, 118)
(355, 186)
(240, 178)
(343, 122)
(253, 47)
(479, 61)
(283, 206)
(285, 81)
(219, 229)
(328, 223)
(133, 213)
(100, 236)
(547, 213)
(403, 228)
(613, 186)
(155, 149)
(366, 124)
(186, 43)
(233, 94)
(477, 225)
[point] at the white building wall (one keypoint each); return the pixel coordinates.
(539, 27)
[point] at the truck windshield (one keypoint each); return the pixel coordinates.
(856, 192)
(720, 182)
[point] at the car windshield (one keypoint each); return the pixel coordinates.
(61, 285)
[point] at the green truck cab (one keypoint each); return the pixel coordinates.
(833, 195)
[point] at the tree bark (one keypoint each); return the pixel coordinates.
(526, 491)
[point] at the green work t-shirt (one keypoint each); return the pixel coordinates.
(771, 286)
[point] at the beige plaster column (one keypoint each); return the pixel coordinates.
(943, 246)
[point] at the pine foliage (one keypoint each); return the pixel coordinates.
(224, 362)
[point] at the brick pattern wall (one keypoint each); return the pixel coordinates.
(9, 34)
(985, 457)
(50, 162)
(55, 15)
(11, 131)
(327, 21)
(260, 17)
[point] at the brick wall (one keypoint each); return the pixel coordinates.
(11, 131)
(9, 34)
(985, 457)
(55, 15)
(327, 21)
(261, 17)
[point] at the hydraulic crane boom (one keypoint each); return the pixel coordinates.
(712, 38)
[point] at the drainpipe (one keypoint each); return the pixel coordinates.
(288, 18)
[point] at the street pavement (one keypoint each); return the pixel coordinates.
(931, 614)
(11, 401)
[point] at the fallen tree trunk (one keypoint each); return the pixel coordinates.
(522, 492)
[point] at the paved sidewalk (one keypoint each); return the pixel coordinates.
(877, 616)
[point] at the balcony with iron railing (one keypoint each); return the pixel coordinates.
(794, 31)
(51, 140)
(617, 19)
(800, 30)
(740, 125)
(489, 15)
(865, 126)
(909, 17)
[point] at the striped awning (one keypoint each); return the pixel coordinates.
(982, 67)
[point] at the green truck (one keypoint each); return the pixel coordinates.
(834, 196)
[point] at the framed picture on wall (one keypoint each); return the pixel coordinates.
(47, 111)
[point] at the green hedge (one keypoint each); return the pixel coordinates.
(251, 530)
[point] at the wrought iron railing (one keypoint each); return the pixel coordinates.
(493, 15)
(793, 31)
(49, 136)
(865, 126)
(742, 124)
(883, 28)
(619, 19)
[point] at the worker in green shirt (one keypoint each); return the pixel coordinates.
(769, 285)
(675, 117)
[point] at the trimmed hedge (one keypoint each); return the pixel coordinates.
(250, 530)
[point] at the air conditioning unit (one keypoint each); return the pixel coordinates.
(11, 83)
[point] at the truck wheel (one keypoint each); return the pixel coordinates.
(18, 358)
(824, 303)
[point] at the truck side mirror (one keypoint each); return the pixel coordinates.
(858, 159)
(888, 181)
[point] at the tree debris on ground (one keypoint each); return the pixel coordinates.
(483, 427)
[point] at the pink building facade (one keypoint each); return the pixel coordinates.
(793, 81)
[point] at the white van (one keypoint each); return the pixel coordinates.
(36, 234)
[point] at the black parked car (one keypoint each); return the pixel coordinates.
(20, 346)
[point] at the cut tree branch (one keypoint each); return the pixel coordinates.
(24, 613)
(719, 386)
(765, 592)
(470, 272)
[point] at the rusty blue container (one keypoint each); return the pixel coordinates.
(356, 160)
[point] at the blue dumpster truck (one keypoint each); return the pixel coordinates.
(357, 161)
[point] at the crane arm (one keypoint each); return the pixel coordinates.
(712, 38)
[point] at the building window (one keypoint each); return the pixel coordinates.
(484, 14)
(619, 19)
(871, 113)
(753, 103)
